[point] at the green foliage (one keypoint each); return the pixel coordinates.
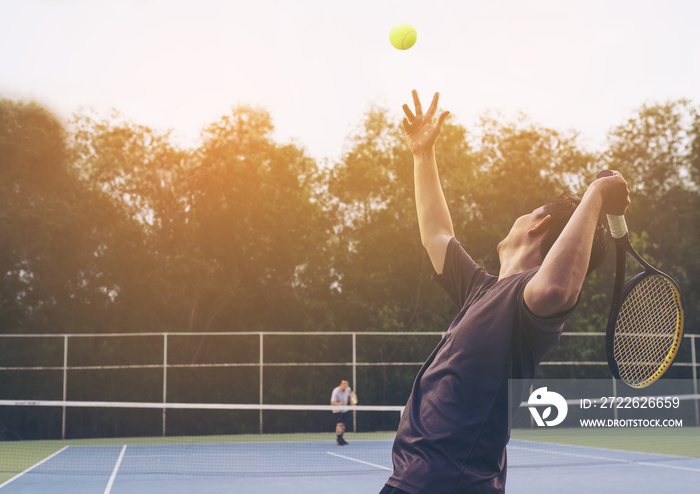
(256, 226)
(50, 228)
(381, 267)
(514, 168)
(656, 149)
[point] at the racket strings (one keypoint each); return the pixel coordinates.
(646, 329)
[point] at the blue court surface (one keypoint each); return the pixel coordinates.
(322, 467)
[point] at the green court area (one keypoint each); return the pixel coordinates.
(684, 441)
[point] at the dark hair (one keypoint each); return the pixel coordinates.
(561, 210)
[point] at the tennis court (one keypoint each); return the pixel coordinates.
(312, 463)
(64, 446)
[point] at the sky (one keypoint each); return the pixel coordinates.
(318, 66)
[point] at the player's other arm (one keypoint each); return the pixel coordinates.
(556, 286)
(434, 220)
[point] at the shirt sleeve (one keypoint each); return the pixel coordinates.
(551, 324)
(460, 274)
(541, 333)
(538, 334)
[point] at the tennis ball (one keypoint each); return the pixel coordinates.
(403, 36)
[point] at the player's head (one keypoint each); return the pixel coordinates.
(344, 384)
(533, 234)
(560, 211)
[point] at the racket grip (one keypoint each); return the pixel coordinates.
(618, 226)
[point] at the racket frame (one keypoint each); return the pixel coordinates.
(620, 292)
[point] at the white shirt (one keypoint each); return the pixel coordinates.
(342, 397)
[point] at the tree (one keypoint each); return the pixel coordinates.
(382, 268)
(254, 220)
(516, 167)
(48, 241)
(656, 150)
(225, 234)
(131, 168)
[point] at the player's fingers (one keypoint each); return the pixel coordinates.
(612, 174)
(405, 125)
(441, 120)
(609, 173)
(433, 104)
(619, 175)
(416, 102)
(408, 112)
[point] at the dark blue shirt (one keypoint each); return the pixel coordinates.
(453, 433)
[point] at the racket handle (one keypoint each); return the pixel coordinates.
(618, 225)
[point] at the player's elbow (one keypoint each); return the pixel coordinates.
(551, 300)
(436, 246)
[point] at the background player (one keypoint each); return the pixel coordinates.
(340, 397)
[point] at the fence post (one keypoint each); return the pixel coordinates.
(165, 376)
(65, 385)
(261, 380)
(354, 377)
(695, 377)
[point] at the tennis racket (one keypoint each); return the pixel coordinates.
(645, 326)
(353, 398)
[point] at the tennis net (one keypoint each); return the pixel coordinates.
(97, 438)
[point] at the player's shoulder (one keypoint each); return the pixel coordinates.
(519, 279)
(511, 285)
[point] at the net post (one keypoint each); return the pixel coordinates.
(614, 382)
(65, 385)
(165, 376)
(354, 377)
(261, 381)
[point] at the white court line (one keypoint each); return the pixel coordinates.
(670, 466)
(619, 460)
(359, 461)
(108, 489)
(577, 455)
(32, 467)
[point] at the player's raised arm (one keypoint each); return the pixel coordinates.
(434, 219)
(556, 286)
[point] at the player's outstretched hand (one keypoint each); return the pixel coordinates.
(420, 128)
